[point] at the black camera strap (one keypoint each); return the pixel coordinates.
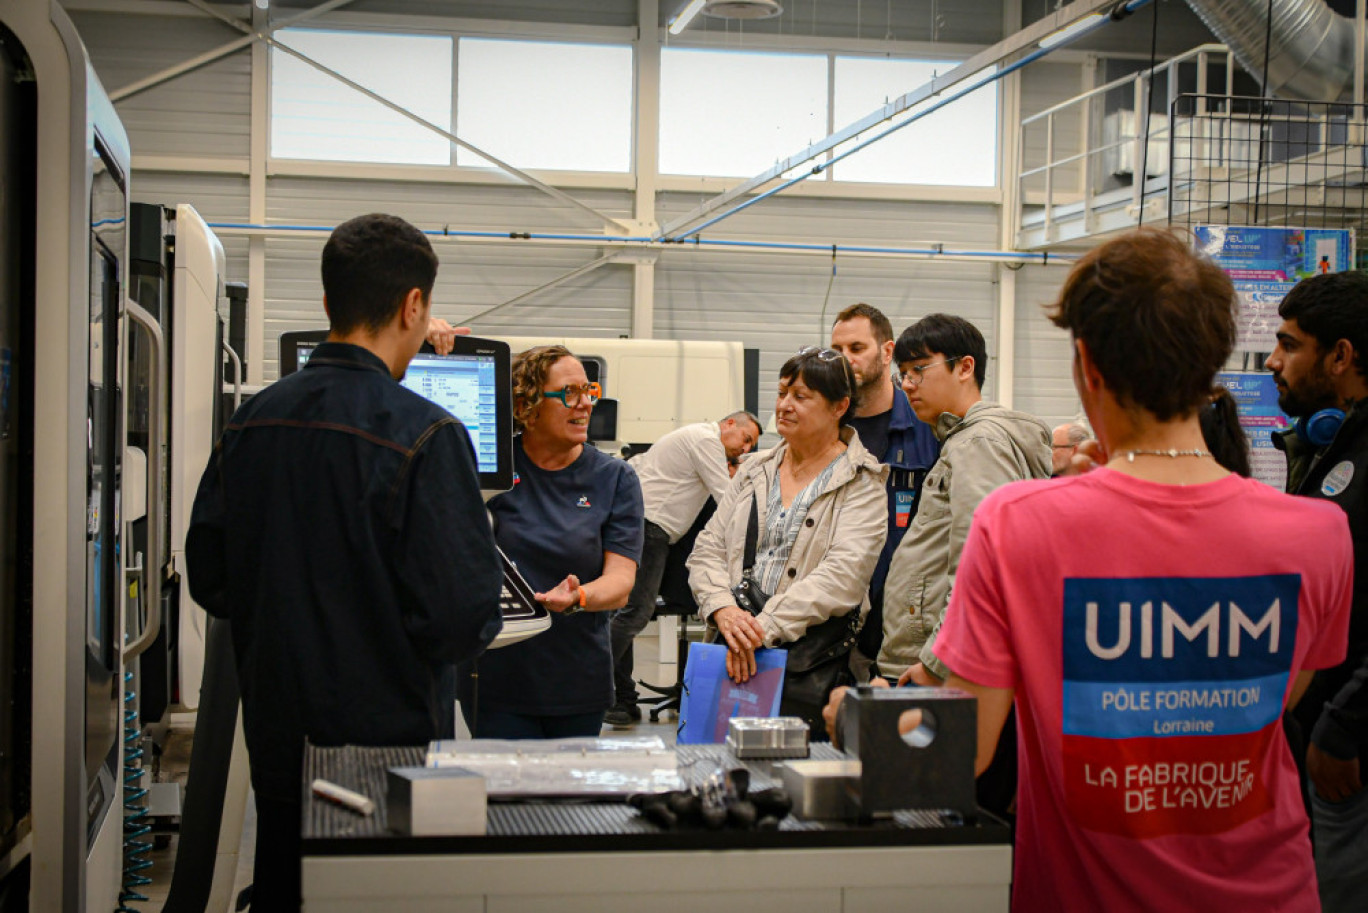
(752, 534)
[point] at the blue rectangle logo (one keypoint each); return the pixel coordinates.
(1179, 629)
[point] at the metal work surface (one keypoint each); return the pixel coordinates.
(542, 826)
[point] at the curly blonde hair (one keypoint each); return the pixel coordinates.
(529, 376)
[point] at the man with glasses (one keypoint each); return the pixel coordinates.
(891, 431)
(942, 360)
(1064, 443)
(678, 475)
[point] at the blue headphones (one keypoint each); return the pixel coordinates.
(1320, 428)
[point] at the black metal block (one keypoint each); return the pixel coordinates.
(931, 767)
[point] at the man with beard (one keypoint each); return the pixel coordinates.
(1318, 368)
(889, 429)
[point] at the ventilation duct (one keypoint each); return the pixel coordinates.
(1313, 46)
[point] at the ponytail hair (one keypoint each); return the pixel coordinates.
(1220, 420)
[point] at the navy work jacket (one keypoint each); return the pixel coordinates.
(340, 530)
(913, 449)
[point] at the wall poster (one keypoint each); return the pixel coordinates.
(1264, 263)
(1257, 398)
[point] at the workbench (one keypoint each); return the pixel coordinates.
(563, 857)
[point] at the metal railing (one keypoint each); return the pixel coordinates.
(1074, 181)
(1263, 161)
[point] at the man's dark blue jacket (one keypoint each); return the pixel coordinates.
(340, 530)
(912, 451)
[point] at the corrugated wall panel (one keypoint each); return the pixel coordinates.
(511, 207)
(600, 12)
(1044, 378)
(774, 301)
(472, 276)
(217, 198)
(206, 112)
(469, 280)
(1044, 357)
(892, 223)
(955, 21)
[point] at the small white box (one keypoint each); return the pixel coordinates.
(436, 801)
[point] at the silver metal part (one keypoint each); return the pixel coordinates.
(821, 789)
(767, 737)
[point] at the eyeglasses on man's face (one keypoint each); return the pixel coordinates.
(914, 375)
(571, 395)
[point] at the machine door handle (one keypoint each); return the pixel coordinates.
(156, 431)
(237, 375)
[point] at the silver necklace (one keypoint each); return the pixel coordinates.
(1172, 452)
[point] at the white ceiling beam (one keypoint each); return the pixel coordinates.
(1027, 38)
(623, 249)
(177, 8)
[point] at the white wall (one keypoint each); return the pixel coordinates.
(472, 276)
(1044, 356)
(1044, 383)
(774, 302)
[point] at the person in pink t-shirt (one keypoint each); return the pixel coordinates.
(1151, 620)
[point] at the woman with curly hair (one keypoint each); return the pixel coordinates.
(572, 524)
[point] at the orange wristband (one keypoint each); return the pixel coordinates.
(583, 599)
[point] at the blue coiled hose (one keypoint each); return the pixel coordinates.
(135, 825)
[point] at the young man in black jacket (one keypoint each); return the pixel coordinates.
(1319, 369)
(340, 530)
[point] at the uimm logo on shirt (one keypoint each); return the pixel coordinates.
(1173, 688)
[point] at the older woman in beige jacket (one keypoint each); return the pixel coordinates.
(821, 516)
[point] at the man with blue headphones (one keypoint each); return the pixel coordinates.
(1320, 373)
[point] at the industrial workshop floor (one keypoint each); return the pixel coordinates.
(176, 760)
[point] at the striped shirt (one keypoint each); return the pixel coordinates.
(782, 525)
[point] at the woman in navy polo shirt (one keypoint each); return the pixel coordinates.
(572, 523)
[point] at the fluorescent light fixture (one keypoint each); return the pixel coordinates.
(1073, 30)
(681, 22)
